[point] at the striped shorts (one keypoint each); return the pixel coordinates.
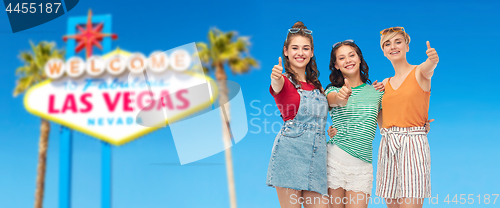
(404, 163)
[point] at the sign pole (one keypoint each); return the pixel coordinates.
(65, 144)
(66, 133)
(106, 175)
(66, 137)
(106, 147)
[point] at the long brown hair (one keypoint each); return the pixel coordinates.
(312, 72)
(336, 77)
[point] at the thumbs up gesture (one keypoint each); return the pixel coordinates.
(432, 54)
(345, 91)
(277, 69)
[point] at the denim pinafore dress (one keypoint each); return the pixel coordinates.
(298, 158)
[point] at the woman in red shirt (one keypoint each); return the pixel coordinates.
(297, 167)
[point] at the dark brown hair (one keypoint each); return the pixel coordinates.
(336, 77)
(312, 72)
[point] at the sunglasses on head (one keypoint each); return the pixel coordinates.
(337, 44)
(394, 29)
(296, 30)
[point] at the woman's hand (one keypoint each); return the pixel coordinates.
(345, 91)
(378, 86)
(432, 54)
(428, 126)
(332, 131)
(277, 79)
(277, 69)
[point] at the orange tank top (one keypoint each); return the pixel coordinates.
(407, 106)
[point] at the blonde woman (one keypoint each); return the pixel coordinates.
(404, 162)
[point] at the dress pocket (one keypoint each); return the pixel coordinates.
(293, 131)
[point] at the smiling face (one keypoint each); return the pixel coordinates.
(299, 52)
(395, 48)
(347, 60)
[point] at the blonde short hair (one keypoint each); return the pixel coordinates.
(387, 36)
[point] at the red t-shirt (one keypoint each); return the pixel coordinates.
(288, 99)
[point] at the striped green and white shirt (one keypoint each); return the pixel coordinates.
(357, 121)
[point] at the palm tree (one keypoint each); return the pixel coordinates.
(30, 74)
(226, 49)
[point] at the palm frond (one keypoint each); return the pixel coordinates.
(241, 65)
(32, 72)
(203, 52)
(226, 48)
(22, 85)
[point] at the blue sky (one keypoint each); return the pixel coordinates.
(146, 172)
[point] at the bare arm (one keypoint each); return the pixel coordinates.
(277, 85)
(277, 80)
(380, 119)
(427, 68)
